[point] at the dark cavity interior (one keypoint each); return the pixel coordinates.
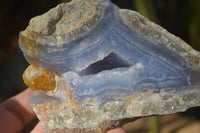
(111, 61)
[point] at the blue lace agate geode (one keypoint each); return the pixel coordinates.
(116, 64)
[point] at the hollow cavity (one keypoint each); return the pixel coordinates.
(112, 61)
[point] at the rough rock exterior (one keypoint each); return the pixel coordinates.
(95, 66)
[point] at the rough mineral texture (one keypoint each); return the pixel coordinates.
(94, 67)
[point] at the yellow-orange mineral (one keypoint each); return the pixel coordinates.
(39, 79)
(113, 65)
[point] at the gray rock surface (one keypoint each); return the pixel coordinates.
(95, 66)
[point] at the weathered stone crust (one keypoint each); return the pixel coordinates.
(65, 22)
(103, 127)
(94, 119)
(161, 36)
(159, 77)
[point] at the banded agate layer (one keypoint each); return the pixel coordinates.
(100, 63)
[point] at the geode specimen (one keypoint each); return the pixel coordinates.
(94, 65)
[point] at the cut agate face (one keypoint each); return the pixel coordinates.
(94, 65)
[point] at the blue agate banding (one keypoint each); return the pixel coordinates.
(94, 64)
(114, 57)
